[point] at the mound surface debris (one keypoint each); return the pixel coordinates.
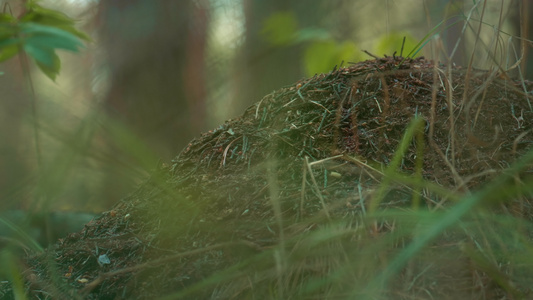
(304, 155)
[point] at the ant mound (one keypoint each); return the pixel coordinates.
(315, 191)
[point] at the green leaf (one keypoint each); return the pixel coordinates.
(280, 28)
(311, 35)
(8, 42)
(45, 56)
(44, 16)
(322, 56)
(13, 272)
(37, 29)
(347, 51)
(317, 57)
(7, 18)
(51, 71)
(8, 29)
(73, 31)
(8, 52)
(36, 12)
(393, 41)
(54, 19)
(51, 42)
(39, 32)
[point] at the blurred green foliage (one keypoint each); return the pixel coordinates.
(39, 32)
(392, 42)
(321, 56)
(280, 29)
(321, 51)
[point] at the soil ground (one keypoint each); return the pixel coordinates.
(235, 207)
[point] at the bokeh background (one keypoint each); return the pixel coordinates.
(160, 72)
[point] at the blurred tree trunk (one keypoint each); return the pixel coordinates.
(155, 59)
(155, 55)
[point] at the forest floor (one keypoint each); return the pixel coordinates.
(315, 191)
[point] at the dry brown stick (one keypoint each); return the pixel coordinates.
(366, 166)
(370, 54)
(456, 176)
(315, 185)
(302, 195)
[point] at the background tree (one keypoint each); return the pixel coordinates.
(154, 53)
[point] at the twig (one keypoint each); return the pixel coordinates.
(370, 54)
(315, 185)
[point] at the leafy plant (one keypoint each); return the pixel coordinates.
(39, 32)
